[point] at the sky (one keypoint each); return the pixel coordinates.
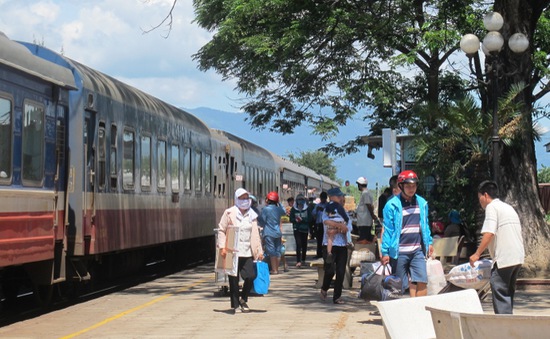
(109, 37)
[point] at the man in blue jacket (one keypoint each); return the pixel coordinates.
(406, 241)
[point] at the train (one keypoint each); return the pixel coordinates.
(98, 178)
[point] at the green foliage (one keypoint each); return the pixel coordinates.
(318, 161)
(543, 175)
(294, 59)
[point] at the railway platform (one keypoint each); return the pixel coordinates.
(187, 305)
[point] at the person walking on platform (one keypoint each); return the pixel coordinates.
(406, 239)
(273, 230)
(249, 247)
(365, 213)
(319, 228)
(339, 251)
(299, 217)
(502, 235)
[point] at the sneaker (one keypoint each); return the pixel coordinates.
(244, 306)
(235, 310)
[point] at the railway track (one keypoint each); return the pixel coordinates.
(27, 305)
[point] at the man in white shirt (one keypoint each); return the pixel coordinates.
(502, 235)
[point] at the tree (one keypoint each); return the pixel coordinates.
(385, 60)
(318, 161)
(544, 175)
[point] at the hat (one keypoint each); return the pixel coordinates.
(240, 192)
(454, 216)
(362, 181)
(300, 196)
(335, 192)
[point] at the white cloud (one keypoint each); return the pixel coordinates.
(108, 36)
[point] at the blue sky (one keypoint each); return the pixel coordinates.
(108, 36)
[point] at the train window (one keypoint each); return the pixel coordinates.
(33, 143)
(198, 171)
(207, 173)
(145, 162)
(175, 168)
(101, 156)
(161, 159)
(113, 159)
(6, 111)
(128, 160)
(187, 168)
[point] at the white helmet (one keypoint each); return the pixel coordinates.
(362, 181)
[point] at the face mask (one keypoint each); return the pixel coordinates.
(301, 202)
(243, 204)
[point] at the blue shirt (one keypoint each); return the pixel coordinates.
(410, 240)
(271, 215)
(340, 239)
(318, 214)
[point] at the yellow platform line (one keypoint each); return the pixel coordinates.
(137, 308)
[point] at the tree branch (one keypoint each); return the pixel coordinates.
(168, 18)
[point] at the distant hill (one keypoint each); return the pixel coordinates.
(235, 123)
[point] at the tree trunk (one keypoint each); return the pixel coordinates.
(518, 165)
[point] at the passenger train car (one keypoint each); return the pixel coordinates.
(99, 178)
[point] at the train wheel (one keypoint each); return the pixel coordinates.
(43, 294)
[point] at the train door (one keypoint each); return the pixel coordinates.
(90, 186)
(230, 177)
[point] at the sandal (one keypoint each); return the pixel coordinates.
(323, 295)
(339, 302)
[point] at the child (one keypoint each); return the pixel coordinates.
(336, 213)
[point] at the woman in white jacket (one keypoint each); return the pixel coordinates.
(248, 247)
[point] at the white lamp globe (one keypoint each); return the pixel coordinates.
(518, 43)
(493, 41)
(485, 50)
(469, 44)
(493, 21)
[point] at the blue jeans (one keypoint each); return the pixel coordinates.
(410, 264)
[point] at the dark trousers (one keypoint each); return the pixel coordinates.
(503, 288)
(365, 233)
(338, 267)
(301, 246)
(234, 283)
(319, 233)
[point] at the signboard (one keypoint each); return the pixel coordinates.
(389, 147)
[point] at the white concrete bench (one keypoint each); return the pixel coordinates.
(451, 324)
(408, 318)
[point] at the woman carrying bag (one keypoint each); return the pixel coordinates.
(248, 247)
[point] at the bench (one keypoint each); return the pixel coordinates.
(408, 317)
(453, 324)
(348, 279)
(320, 265)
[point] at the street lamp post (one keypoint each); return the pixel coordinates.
(492, 45)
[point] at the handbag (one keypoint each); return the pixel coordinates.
(363, 254)
(261, 282)
(380, 285)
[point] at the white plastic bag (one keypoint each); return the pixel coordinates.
(466, 276)
(436, 276)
